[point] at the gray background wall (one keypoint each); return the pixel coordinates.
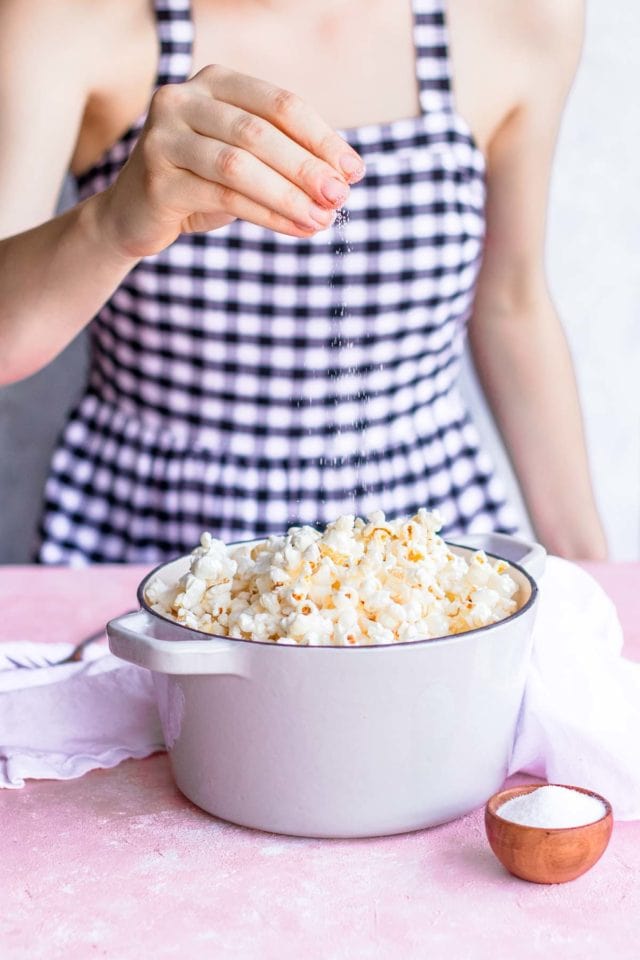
(593, 260)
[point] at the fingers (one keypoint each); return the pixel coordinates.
(285, 111)
(238, 170)
(261, 139)
(210, 198)
(247, 149)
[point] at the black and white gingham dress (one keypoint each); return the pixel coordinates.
(242, 380)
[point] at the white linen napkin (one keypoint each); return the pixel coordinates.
(580, 718)
(579, 723)
(59, 722)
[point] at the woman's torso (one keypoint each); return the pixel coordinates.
(243, 380)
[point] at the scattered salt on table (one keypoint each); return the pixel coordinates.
(552, 807)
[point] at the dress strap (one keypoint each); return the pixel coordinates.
(433, 62)
(175, 35)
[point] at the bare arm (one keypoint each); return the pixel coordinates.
(218, 147)
(517, 341)
(53, 277)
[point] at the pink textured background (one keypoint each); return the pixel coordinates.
(118, 864)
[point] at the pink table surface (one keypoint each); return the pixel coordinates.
(119, 864)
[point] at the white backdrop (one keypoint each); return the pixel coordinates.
(594, 268)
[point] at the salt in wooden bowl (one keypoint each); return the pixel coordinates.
(546, 854)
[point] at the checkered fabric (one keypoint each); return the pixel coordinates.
(242, 381)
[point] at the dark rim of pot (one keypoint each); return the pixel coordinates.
(449, 638)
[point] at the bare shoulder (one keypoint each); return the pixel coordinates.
(508, 53)
(38, 16)
(83, 36)
(42, 31)
(548, 33)
(73, 76)
(548, 21)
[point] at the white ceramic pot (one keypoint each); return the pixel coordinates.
(339, 741)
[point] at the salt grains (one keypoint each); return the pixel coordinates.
(552, 807)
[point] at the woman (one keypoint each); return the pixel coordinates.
(253, 363)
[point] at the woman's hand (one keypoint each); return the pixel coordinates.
(222, 146)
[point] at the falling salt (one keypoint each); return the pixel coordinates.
(552, 807)
(342, 344)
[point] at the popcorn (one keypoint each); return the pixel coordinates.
(360, 582)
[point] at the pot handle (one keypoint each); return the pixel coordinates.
(134, 637)
(531, 556)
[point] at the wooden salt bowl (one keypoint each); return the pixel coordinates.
(541, 854)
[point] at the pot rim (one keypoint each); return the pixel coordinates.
(449, 638)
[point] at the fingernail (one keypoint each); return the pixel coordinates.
(352, 166)
(334, 191)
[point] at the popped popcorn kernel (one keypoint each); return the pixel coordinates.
(361, 582)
